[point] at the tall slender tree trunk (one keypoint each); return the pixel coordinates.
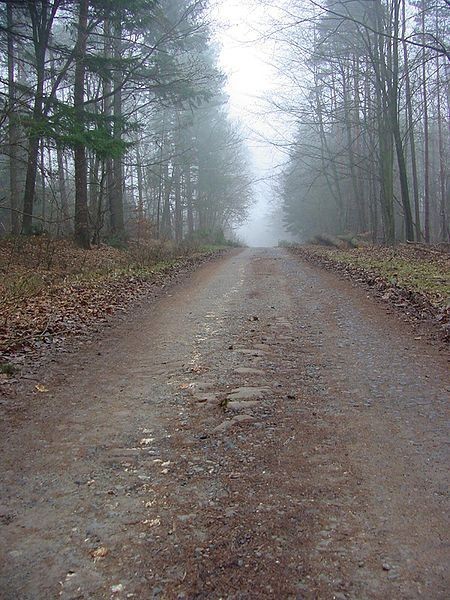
(412, 142)
(117, 218)
(189, 205)
(33, 146)
(43, 186)
(444, 230)
(325, 155)
(160, 177)
(41, 24)
(178, 215)
(64, 208)
(166, 229)
(140, 183)
(393, 88)
(426, 199)
(81, 194)
(351, 155)
(362, 202)
(13, 127)
(382, 64)
(107, 113)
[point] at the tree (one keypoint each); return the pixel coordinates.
(82, 236)
(111, 95)
(42, 15)
(13, 128)
(358, 115)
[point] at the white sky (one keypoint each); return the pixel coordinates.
(246, 59)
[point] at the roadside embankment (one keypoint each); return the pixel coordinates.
(413, 279)
(52, 291)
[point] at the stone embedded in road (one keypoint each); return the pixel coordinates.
(205, 397)
(263, 347)
(238, 419)
(247, 393)
(199, 386)
(242, 404)
(248, 371)
(242, 418)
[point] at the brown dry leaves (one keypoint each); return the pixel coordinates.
(50, 289)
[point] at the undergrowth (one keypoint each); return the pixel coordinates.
(50, 287)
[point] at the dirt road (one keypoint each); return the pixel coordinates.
(264, 430)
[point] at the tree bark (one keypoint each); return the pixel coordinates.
(116, 193)
(412, 143)
(393, 104)
(81, 195)
(444, 230)
(178, 216)
(190, 208)
(41, 24)
(64, 208)
(13, 128)
(140, 183)
(426, 199)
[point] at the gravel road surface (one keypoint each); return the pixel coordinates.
(262, 430)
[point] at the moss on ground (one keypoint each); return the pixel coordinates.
(427, 275)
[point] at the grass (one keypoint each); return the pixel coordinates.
(426, 276)
(417, 275)
(7, 369)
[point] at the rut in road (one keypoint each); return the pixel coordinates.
(262, 431)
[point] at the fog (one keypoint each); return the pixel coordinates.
(246, 59)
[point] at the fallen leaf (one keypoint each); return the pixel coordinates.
(99, 553)
(40, 387)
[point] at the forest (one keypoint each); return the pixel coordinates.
(114, 123)
(184, 416)
(366, 86)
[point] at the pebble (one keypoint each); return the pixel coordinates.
(242, 405)
(225, 425)
(247, 392)
(248, 371)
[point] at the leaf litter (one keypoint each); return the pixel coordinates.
(51, 290)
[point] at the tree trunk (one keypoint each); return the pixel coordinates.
(64, 208)
(42, 24)
(393, 103)
(426, 199)
(13, 128)
(351, 157)
(190, 209)
(412, 143)
(107, 114)
(32, 163)
(43, 187)
(166, 229)
(117, 218)
(444, 232)
(81, 196)
(140, 183)
(385, 142)
(326, 153)
(178, 208)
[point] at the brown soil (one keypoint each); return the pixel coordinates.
(133, 476)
